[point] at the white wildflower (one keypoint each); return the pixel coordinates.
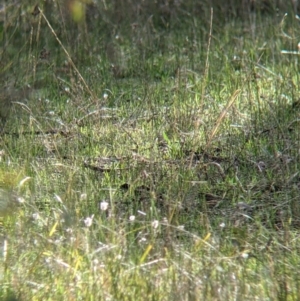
(88, 221)
(35, 216)
(103, 206)
(119, 257)
(20, 200)
(155, 224)
(83, 197)
(142, 240)
(95, 261)
(165, 220)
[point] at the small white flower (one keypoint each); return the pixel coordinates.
(48, 260)
(222, 225)
(83, 197)
(103, 206)
(119, 257)
(105, 96)
(165, 220)
(155, 224)
(20, 200)
(69, 230)
(95, 261)
(131, 218)
(35, 216)
(244, 255)
(142, 240)
(88, 221)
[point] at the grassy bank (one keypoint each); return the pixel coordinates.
(149, 160)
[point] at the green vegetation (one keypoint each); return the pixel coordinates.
(149, 151)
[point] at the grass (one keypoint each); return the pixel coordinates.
(149, 160)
